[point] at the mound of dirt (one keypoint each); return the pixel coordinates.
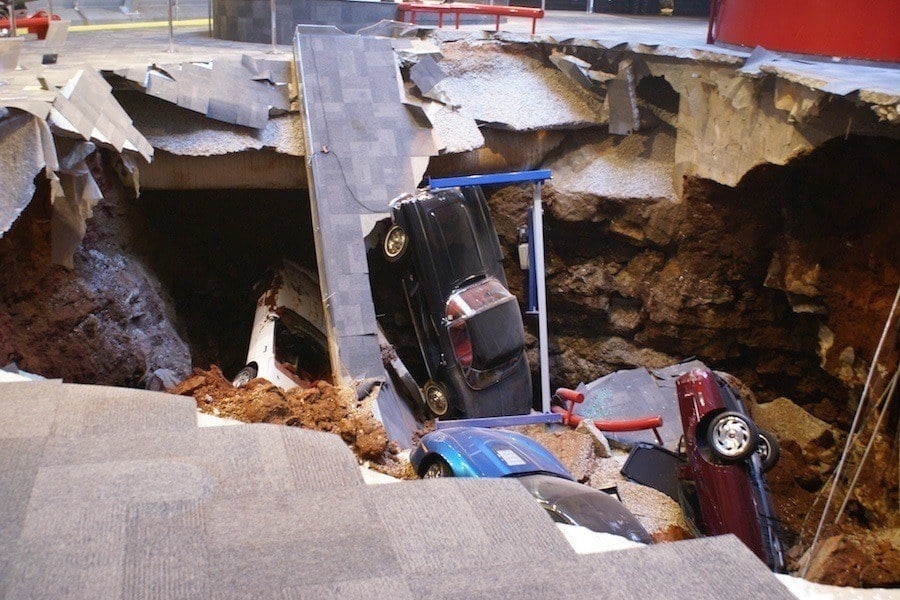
(858, 558)
(322, 407)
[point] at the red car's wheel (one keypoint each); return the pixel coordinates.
(768, 450)
(732, 436)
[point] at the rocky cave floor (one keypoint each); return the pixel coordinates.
(782, 281)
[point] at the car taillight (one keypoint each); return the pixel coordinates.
(462, 345)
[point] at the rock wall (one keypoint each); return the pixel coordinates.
(784, 280)
(103, 321)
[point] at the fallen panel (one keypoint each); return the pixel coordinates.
(26, 148)
(636, 393)
(240, 90)
(87, 107)
(515, 89)
(639, 166)
(183, 132)
(363, 145)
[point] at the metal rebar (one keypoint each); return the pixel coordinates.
(889, 394)
(850, 434)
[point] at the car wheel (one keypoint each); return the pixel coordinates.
(437, 398)
(396, 243)
(768, 450)
(244, 376)
(732, 436)
(436, 468)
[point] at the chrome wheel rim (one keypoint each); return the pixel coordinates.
(763, 448)
(436, 400)
(395, 242)
(242, 379)
(731, 436)
(434, 471)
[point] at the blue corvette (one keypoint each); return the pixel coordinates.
(477, 452)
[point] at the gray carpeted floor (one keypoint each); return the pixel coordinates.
(107, 492)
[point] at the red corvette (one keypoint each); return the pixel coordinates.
(722, 488)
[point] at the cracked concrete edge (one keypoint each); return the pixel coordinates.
(874, 86)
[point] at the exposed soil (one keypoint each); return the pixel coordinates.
(858, 558)
(323, 407)
(770, 280)
(635, 282)
(105, 321)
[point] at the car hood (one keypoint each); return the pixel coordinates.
(495, 453)
(585, 506)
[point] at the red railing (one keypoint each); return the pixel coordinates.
(571, 398)
(38, 23)
(462, 8)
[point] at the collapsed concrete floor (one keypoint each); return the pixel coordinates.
(748, 222)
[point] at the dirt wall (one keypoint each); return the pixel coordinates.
(104, 321)
(717, 275)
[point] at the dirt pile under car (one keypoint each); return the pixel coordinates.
(322, 407)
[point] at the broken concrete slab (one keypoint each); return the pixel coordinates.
(239, 90)
(26, 148)
(74, 206)
(515, 89)
(656, 511)
(576, 69)
(454, 132)
(624, 116)
(86, 106)
(356, 165)
(426, 74)
(182, 132)
(636, 166)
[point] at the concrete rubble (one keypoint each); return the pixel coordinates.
(665, 237)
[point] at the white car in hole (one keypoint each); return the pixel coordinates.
(288, 346)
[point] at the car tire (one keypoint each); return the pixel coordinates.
(244, 376)
(395, 244)
(437, 398)
(436, 468)
(768, 450)
(732, 436)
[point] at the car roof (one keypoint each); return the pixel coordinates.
(453, 236)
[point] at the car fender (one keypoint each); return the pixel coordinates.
(440, 445)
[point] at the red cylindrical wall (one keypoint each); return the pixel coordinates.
(862, 29)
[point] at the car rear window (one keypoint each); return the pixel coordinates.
(485, 325)
(476, 298)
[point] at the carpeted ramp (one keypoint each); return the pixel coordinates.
(109, 493)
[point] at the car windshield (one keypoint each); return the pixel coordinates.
(457, 238)
(300, 348)
(585, 506)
